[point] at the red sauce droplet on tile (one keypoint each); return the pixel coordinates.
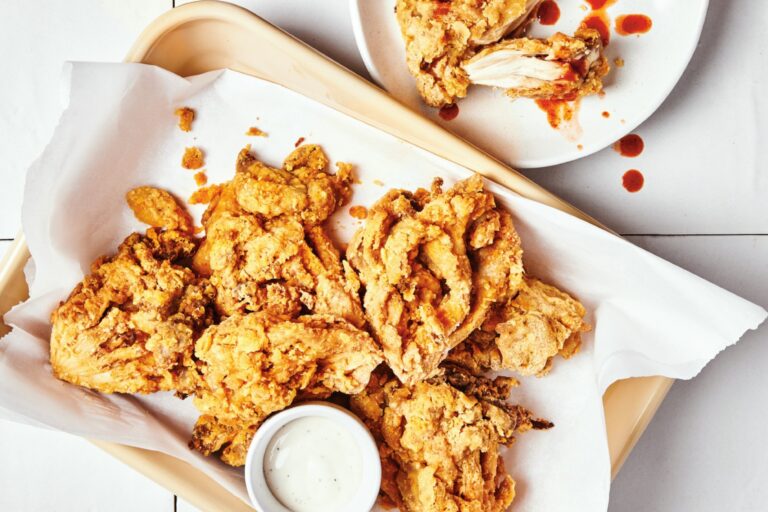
(600, 22)
(449, 112)
(548, 12)
(628, 24)
(298, 142)
(606, 114)
(557, 111)
(633, 180)
(630, 145)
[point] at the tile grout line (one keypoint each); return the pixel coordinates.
(175, 502)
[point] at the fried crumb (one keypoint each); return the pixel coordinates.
(193, 158)
(186, 115)
(158, 208)
(378, 183)
(255, 132)
(299, 142)
(606, 114)
(618, 62)
(204, 195)
(359, 212)
(579, 147)
(201, 178)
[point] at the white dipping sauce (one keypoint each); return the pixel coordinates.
(313, 464)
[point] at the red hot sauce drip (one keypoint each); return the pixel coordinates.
(449, 112)
(600, 22)
(633, 180)
(630, 145)
(628, 24)
(548, 12)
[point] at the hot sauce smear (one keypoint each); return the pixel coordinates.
(628, 24)
(599, 20)
(548, 12)
(633, 180)
(558, 111)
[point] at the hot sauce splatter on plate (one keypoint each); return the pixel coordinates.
(548, 12)
(628, 24)
(449, 112)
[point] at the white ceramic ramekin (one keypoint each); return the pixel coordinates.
(258, 490)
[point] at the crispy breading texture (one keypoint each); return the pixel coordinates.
(192, 158)
(440, 35)
(186, 115)
(130, 326)
(264, 249)
(253, 365)
(525, 333)
(159, 209)
(433, 264)
(439, 440)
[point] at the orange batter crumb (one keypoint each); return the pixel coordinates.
(255, 132)
(618, 62)
(193, 158)
(201, 179)
(378, 182)
(204, 195)
(359, 212)
(299, 142)
(186, 115)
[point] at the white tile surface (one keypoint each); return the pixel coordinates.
(43, 470)
(36, 39)
(706, 448)
(183, 506)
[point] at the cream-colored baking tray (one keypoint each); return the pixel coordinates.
(208, 35)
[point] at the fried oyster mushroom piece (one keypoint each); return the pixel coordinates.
(440, 35)
(558, 68)
(255, 364)
(131, 324)
(525, 333)
(439, 440)
(158, 208)
(264, 247)
(433, 263)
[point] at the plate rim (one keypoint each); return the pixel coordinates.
(359, 33)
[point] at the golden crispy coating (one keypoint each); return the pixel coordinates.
(159, 209)
(192, 158)
(439, 440)
(558, 68)
(253, 365)
(186, 115)
(255, 132)
(525, 333)
(264, 249)
(440, 35)
(130, 326)
(433, 264)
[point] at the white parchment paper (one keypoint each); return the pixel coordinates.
(118, 132)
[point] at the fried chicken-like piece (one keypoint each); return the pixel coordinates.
(439, 440)
(525, 333)
(440, 35)
(130, 326)
(159, 209)
(253, 365)
(558, 68)
(264, 248)
(433, 264)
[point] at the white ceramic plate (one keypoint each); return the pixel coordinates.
(518, 131)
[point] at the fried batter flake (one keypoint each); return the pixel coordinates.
(130, 326)
(439, 440)
(186, 115)
(192, 158)
(159, 209)
(525, 333)
(253, 365)
(433, 264)
(264, 249)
